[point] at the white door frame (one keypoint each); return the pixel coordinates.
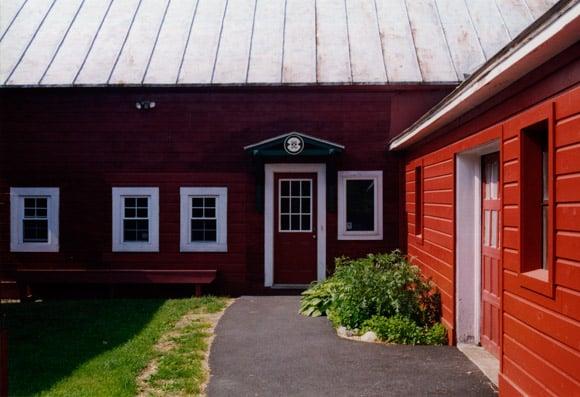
(468, 241)
(270, 170)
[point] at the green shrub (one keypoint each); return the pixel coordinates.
(436, 335)
(399, 329)
(384, 285)
(317, 299)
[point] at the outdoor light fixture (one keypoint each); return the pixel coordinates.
(145, 105)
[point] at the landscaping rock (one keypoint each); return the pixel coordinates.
(342, 332)
(369, 336)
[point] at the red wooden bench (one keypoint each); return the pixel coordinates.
(198, 278)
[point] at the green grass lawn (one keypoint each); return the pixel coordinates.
(99, 347)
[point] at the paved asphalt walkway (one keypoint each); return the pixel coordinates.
(264, 347)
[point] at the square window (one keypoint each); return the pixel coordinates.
(136, 219)
(204, 222)
(34, 214)
(360, 205)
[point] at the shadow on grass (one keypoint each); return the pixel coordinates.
(48, 341)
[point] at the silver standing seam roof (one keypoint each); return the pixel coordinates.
(257, 42)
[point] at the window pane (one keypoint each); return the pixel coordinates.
(295, 205)
(494, 227)
(196, 224)
(41, 202)
(130, 201)
(142, 202)
(360, 205)
(285, 222)
(486, 227)
(295, 222)
(210, 235)
(197, 212)
(130, 212)
(285, 205)
(197, 235)
(29, 212)
(30, 202)
(35, 231)
(285, 188)
(210, 212)
(197, 202)
(209, 202)
(142, 212)
(306, 188)
(295, 188)
(41, 212)
(306, 206)
(305, 222)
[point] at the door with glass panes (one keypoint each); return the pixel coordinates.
(295, 228)
(490, 253)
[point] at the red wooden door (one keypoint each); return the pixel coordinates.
(295, 228)
(490, 254)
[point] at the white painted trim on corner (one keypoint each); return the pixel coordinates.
(17, 195)
(221, 195)
(377, 232)
(269, 170)
(118, 245)
(468, 241)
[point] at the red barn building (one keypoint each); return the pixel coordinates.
(492, 182)
(241, 144)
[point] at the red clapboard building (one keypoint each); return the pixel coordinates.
(492, 182)
(240, 146)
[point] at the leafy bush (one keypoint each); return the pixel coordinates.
(317, 299)
(384, 285)
(399, 329)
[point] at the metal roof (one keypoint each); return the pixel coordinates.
(552, 33)
(264, 42)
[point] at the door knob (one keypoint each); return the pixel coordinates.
(314, 236)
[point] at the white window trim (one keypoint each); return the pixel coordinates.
(221, 195)
(17, 195)
(377, 232)
(118, 244)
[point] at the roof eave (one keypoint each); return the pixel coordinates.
(551, 34)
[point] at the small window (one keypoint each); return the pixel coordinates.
(203, 219)
(34, 219)
(418, 201)
(535, 193)
(295, 205)
(135, 219)
(360, 205)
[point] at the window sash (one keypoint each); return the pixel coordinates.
(200, 208)
(34, 218)
(377, 232)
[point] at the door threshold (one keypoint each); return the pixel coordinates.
(290, 286)
(485, 361)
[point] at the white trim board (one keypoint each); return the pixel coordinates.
(468, 242)
(221, 196)
(377, 232)
(152, 193)
(269, 171)
(17, 195)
